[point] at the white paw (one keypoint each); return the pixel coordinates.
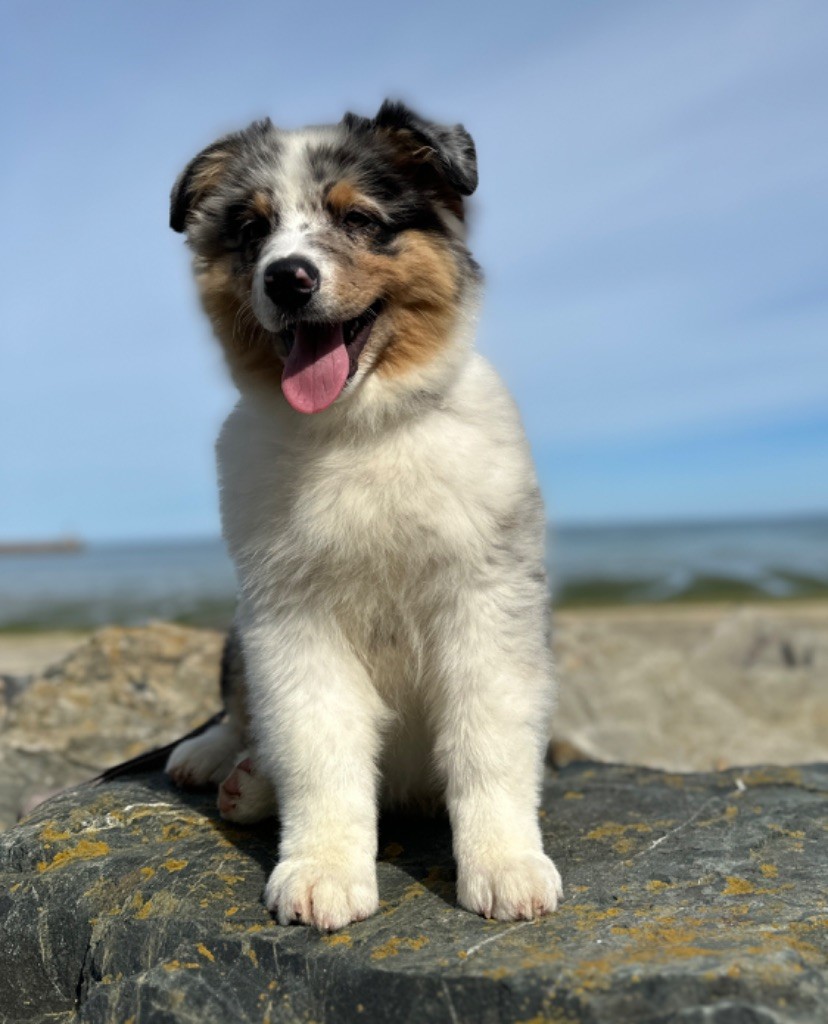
(510, 887)
(205, 758)
(327, 893)
(245, 796)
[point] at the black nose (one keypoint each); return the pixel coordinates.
(291, 282)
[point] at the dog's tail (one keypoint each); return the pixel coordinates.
(153, 760)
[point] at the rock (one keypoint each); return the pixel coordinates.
(688, 899)
(118, 693)
(691, 689)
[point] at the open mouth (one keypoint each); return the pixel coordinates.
(322, 357)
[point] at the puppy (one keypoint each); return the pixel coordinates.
(380, 504)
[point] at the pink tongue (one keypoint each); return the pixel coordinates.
(317, 368)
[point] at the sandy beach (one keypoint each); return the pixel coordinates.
(23, 654)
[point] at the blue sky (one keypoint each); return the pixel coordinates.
(652, 219)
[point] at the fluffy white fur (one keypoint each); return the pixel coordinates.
(394, 620)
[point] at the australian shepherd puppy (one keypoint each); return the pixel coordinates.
(380, 504)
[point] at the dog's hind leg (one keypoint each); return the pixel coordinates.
(206, 758)
(245, 795)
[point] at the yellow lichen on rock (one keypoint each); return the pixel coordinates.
(738, 887)
(162, 904)
(613, 829)
(177, 965)
(84, 849)
(394, 945)
(50, 833)
(617, 832)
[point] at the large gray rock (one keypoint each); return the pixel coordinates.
(696, 898)
(693, 689)
(116, 694)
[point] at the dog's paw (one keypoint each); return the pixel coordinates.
(326, 892)
(510, 887)
(203, 759)
(244, 796)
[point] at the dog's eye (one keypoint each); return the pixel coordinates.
(244, 227)
(255, 229)
(357, 219)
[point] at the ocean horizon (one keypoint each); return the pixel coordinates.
(192, 581)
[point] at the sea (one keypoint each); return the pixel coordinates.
(193, 582)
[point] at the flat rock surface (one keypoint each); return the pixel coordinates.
(689, 898)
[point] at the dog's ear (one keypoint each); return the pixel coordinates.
(205, 171)
(198, 179)
(447, 150)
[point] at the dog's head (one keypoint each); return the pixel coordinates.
(332, 258)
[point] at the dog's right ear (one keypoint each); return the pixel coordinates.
(204, 172)
(198, 179)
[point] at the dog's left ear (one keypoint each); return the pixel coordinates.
(448, 149)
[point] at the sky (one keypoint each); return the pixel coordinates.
(652, 220)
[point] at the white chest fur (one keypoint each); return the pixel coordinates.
(432, 493)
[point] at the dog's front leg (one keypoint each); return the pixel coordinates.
(495, 696)
(316, 720)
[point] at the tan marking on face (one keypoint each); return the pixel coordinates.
(421, 304)
(345, 196)
(418, 284)
(249, 349)
(341, 197)
(261, 203)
